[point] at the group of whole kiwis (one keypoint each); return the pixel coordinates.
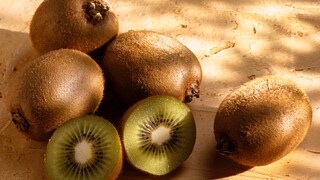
(55, 97)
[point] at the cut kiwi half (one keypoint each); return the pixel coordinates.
(158, 134)
(86, 147)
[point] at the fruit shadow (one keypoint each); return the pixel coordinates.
(205, 160)
(111, 108)
(224, 167)
(98, 53)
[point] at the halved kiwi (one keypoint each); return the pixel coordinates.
(262, 121)
(158, 134)
(139, 64)
(52, 89)
(86, 147)
(85, 25)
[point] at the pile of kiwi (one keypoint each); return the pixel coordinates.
(61, 97)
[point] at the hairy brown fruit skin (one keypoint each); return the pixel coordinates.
(52, 89)
(66, 24)
(140, 64)
(262, 121)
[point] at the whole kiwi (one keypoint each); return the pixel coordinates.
(139, 64)
(262, 121)
(52, 89)
(84, 25)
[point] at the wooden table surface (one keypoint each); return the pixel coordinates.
(235, 41)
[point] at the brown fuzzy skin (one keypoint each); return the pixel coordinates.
(52, 89)
(140, 64)
(262, 121)
(63, 24)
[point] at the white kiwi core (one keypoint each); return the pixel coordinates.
(160, 135)
(83, 152)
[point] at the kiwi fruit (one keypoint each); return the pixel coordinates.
(158, 134)
(52, 89)
(139, 64)
(87, 147)
(262, 121)
(84, 25)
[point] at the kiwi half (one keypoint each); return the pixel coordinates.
(262, 121)
(85, 25)
(158, 134)
(139, 64)
(52, 89)
(86, 147)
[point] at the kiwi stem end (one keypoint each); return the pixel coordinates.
(20, 122)
(225, 146)
(96, 10)
(192, 91)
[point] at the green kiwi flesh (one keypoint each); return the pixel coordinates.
(262, 121)
(52, 89)
(158, 134)
(139, 64)
(85, 25)
(86, 147)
